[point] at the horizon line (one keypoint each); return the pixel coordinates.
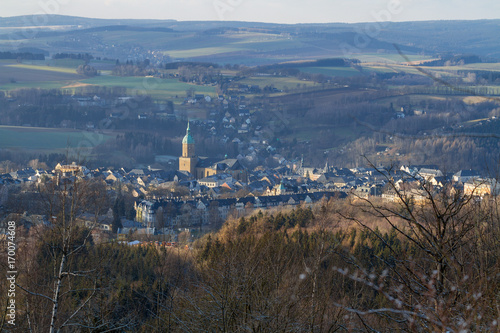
(245, 21)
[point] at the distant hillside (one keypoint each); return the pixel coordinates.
(249, 43)
(479, 37)
(63, 20)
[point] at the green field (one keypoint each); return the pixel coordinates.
(46, 68)
(175, 44)
(16, 76)
(278, 82)
(67, 63)
(205, 51)
(48, 139)
(186, 45)
(58, 63)
(155, 87)
(34, 85)
(379, 68)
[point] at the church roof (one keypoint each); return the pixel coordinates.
(188, 139)
(221, 165)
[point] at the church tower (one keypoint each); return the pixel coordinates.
(188, 160)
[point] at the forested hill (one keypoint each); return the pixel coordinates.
(306, 270)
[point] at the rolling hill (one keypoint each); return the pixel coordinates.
(247, 43)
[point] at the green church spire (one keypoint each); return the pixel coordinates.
(188, 139)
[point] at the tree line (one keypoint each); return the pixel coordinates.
(342, 265)
(21, 55)
(79, 56)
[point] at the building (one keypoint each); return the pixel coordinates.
(172, 213)
(205, 167)
(482, 186)
(464, 176)
(70, 169)
(188, 160)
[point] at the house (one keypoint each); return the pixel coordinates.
(362, 191)
(204, 211)
(215, 180)
(419, 196)
(437, 181)
(338, 181)
(277, 190)
(463, 176)
(428, 173)
(482, 186)
(70, 169)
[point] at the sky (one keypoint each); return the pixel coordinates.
(274, 11)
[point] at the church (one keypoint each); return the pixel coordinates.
(201, 167)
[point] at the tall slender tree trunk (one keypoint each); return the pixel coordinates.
(57, 290)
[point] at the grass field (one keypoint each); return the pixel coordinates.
(155, 87)
(70, 63)
(34, 85)
(279, 82)
(398, 68)
(57, 63)
(151, 39)
(378, 68)
(48, 139)
(67, 70)
(16, 76)
(471, 100)
(441, 71)
(265, 42)
(493, 67)
(187, 45)
(199, 52)
(389, 57)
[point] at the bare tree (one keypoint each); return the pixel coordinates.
(63, 242)
(437, 282)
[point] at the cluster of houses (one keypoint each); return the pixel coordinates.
(283, 187)
(202, 212)
(187, 202)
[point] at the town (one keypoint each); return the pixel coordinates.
(205, 192)
(262, 171)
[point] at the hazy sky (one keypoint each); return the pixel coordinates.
(279, 11)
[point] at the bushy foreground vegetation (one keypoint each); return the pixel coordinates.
(344, 265)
